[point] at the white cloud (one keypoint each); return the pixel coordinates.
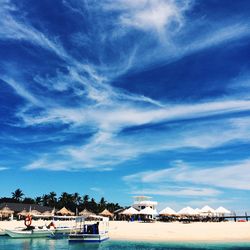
(177, 191)
(108, 110)
(234, 176)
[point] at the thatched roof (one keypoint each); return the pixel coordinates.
(17, 207)
(6, 211)
(47, 213)
(65, 211)
(34, 212)
(86, 212)
(105, 212)
(23, 213)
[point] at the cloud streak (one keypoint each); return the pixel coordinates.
(233, 176)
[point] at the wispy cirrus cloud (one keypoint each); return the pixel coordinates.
(233, 176)
(107, 110)
(177, 191)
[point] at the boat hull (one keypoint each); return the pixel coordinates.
(88, 238)
(28, 234)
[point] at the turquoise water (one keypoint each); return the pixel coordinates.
(7, 243)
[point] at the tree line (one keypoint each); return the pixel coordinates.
(70, 201)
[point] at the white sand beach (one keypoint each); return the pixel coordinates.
(162, 231)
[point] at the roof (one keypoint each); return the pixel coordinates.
(148, 211)
(105, 212)
(6, 210)
(86, 212)
(18, 207)
(65, 211)
(167, 211)
(130, 211)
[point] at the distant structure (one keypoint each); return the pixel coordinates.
(141, 202)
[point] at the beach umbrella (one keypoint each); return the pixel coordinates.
(86, 213)
(34, 212)
(187, 211)
(65, 211)
(6, 211)
(222, 210)
(148, 211)
(23, 213)
(106, 213)
(197, 210)
(47, 213)
(207, 210)
(167, 211)
(130, 211)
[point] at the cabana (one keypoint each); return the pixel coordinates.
(130, 211)
(168, 214)
(106, 213)
(64, 211)
(148, 213)
(86, 213)
(6, 212)
(221, 211)
(207, 211)
(187, 211)
(34, 212)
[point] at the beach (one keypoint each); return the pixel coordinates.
(164, 232)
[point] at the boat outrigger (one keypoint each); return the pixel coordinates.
(38, 231)
(93, 229)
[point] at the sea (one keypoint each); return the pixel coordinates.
(7, 243)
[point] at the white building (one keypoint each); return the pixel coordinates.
(141, 202)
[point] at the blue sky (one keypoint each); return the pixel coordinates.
(121, 98)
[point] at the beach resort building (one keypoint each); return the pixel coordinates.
(141, 202)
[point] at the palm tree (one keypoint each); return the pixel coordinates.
(52, 199)
(85, 200)
(93, 206)
(45, 200)
(17, 195)
(38, 200)
(77, 199)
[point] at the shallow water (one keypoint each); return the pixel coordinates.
(7, 243)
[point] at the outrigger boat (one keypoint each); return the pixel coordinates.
(94, 230)
(38, 232)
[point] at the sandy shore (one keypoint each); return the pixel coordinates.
(160, 231)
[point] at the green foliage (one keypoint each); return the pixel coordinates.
(71, 201)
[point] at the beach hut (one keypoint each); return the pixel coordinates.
(188, 211)
(167, 212)
(86, 213)
(221, 211)
(106, 213)
(65, 211)
(23, 213)
(207, 211)
(47, 214)
(130, 211)
(197, 210)
(6, 212)
(34, 212)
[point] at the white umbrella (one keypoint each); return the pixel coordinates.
(130, 211)
(197, 210)
(148, 211)
(207, 210)
(167, 211)
(187, 211)
(222, 210)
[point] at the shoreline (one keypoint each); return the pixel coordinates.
(163, 232)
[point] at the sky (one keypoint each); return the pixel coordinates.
(124, 98)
